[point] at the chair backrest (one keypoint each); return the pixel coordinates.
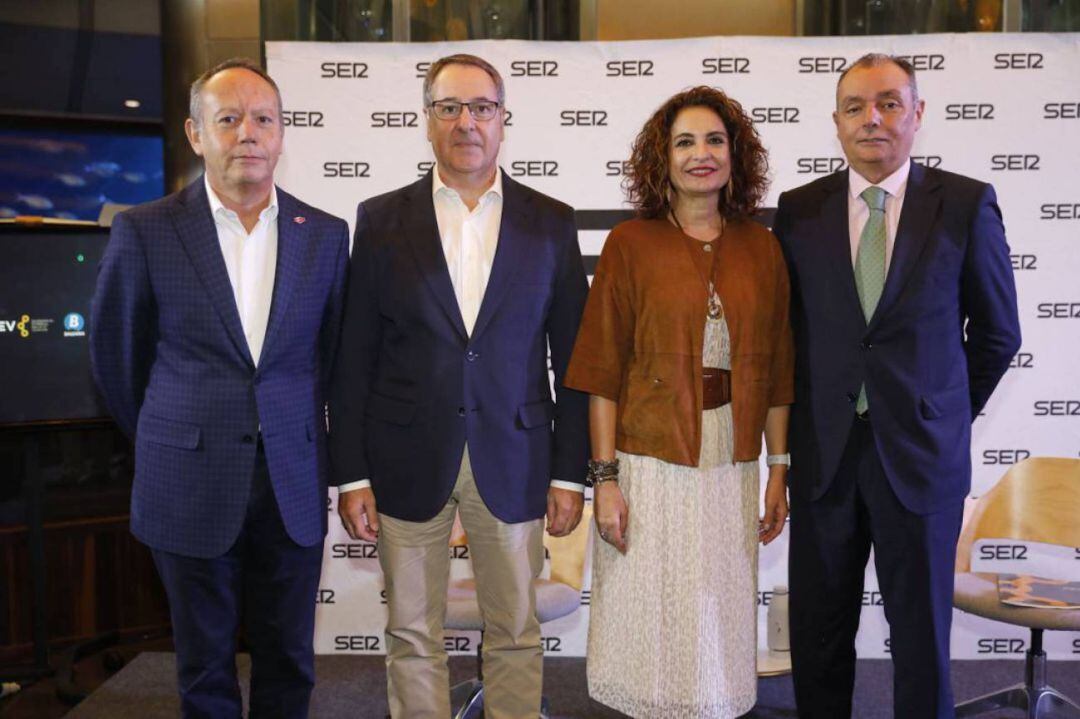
(568, 553)
(1038, 500)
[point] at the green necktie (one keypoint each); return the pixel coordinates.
(870, 263)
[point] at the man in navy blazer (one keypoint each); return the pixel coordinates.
(904, 314)
(212, 334)
(441, 399)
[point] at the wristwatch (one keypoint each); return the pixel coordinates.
(784, 459)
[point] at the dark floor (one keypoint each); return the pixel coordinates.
(353, 686)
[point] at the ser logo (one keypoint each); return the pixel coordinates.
(927, 160)
(1076, 646)
(346, 169)
(923, 63)
(354, 551)
(423, 168)
(1058, 310)
(1022, 360)
(817, 65)
(394, 119)
(302, 118)
(1001, 646)
(325, 596)
(586, 594)
(1061, 111)
(551, 645)
(534, 168)
(1024, 262)
(357, 643)
(873, 598)
(887, 646)
(1003, 552)
(347, 70)
(629, 68)
(1004, 456)
(1057, 408)
(725, 66)
(534, 68)
(457, 644)
(1059, 211)
(819, 165)
(764, 598)
(615, 168)
(775, 115)
(1012, 163)
(583, 118)
(1018, 61)
(460, 551)
(969, 111)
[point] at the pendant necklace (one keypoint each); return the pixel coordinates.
(715, 309)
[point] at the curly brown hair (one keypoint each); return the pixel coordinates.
(647, 182)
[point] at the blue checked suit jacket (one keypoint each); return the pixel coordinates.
(171, 360)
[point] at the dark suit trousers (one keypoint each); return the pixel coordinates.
(269, 582)
(914, 556)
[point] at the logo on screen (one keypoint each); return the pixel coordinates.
(74, 325)
(25, 325)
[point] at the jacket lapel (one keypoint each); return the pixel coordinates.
(294, 246)
(197, 233)
(921, 201)
(837, 251)
(510, 252)
(421, 232)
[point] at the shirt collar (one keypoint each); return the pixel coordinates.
(217, 207)
(894, 184)
(437, 186)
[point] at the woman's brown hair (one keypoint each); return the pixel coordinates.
(647, 183)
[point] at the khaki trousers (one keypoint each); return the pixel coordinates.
(415, 559)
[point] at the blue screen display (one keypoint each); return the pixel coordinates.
(71, 174)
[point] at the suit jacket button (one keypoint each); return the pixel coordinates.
(247, 439)
(460, 411)
(851, 397)
(472, 356)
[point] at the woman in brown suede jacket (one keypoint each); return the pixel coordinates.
(685, 348)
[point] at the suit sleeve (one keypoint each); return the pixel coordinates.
(570, 450)
(988, 293)
(356, 360)
(123, 325)
(782, 369)
(330, 332)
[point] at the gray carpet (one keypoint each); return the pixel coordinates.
(354, 687)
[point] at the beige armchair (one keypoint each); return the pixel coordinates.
(1038, 500)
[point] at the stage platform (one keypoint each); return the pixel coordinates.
(354, 687)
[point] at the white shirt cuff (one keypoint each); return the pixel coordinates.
(350, 486)
(572, 486)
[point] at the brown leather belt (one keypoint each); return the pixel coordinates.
(716, 387)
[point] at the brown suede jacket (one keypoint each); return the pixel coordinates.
(643, 331)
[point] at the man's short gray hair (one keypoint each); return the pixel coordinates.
(876, 59)
(463, 59)
(244, 63)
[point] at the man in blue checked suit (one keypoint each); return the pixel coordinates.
(212, 332)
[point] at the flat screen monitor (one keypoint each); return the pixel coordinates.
(47, 281)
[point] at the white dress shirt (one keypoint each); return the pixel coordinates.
(859, 212)
(251, 261)
(469, 240)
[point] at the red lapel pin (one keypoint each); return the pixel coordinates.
(298, 220)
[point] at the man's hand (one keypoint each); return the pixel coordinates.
(776, 506)
(563, 511)
(358, 514)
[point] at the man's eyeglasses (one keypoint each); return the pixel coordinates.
(482, 110)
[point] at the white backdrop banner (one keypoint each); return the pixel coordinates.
(1003, 108)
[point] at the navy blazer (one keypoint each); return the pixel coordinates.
(411, 387)
(942, 336)
(171, 360)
